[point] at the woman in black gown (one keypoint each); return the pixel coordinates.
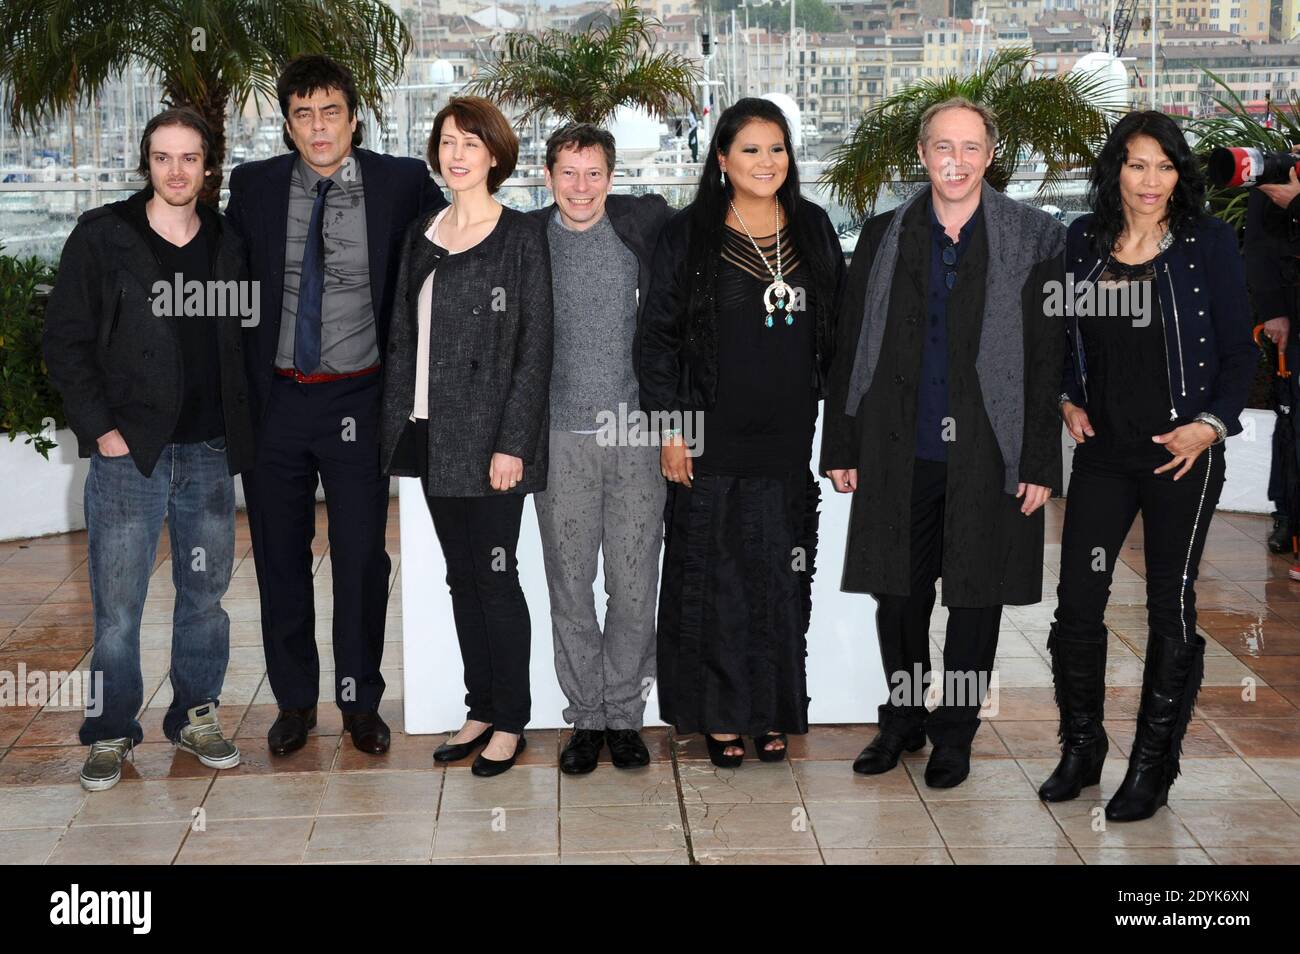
(736, 335)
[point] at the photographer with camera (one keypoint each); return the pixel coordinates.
(1286, 195)
(1272, 258)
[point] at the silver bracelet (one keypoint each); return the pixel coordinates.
(1221, 429)
(1062, 399)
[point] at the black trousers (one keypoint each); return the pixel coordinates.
(328, 431)
(1107, 489)
(479, 537)
(903, 625)
(1278, 467)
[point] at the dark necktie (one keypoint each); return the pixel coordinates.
(311, 287)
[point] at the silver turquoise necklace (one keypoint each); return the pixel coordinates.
(778, 287)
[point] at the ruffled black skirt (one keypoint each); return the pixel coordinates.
(735, 602)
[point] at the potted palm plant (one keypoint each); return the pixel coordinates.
(29, 406)
(42, 492)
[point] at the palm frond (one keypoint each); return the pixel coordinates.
(1053, 116)
(585, 77)
(208, 54)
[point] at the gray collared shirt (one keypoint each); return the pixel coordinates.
(348, 340)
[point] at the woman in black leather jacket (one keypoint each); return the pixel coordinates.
(1155, 378)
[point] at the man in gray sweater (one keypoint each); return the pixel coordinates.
(605, 494)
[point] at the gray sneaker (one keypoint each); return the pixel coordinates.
(202, 736)
(103, 768)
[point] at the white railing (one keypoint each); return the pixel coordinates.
(36, 217)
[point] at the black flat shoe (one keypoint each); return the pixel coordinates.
(369, 732)
(626, 749)
(716, 747)
(770, 755)
(948, 766)
(289, 731)
(582, 751)
(884, 751)
(486, 768)
(455, 751)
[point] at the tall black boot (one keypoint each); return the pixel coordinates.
(1079, 674)
(1170, 681)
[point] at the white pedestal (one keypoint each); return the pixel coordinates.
(845, 679)
(41, 496)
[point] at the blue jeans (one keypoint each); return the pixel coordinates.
(191, 486)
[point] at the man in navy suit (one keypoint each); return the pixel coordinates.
(323, 227)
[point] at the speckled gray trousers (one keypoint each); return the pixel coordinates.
(610, 500)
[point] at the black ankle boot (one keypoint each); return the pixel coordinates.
(1079, 674)
(897, 733)
(1170, 680)
(1279, 540)
(949, 765)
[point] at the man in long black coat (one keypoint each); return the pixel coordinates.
(943, 422)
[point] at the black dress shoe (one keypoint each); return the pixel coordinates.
(948, 766)
(581, 751)
(884, 751)
(626, 750)
(486, 767)
(289, 731)
(455, 751)
(369, 732)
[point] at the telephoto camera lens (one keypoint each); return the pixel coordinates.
(1233, 166)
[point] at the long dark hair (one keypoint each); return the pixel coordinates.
(709, 208)
(708, 211)
(1185, 203)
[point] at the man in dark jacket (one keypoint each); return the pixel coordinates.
(942, 421)
(604, 490)
(323, 226)
(142, 338)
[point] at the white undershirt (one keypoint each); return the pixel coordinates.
(424, 313)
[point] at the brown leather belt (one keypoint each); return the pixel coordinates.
(323, 378)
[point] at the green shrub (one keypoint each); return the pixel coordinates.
(28, 402)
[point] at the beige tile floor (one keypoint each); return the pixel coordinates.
(1237, 801)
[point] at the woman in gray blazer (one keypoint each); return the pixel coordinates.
(467, 382)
